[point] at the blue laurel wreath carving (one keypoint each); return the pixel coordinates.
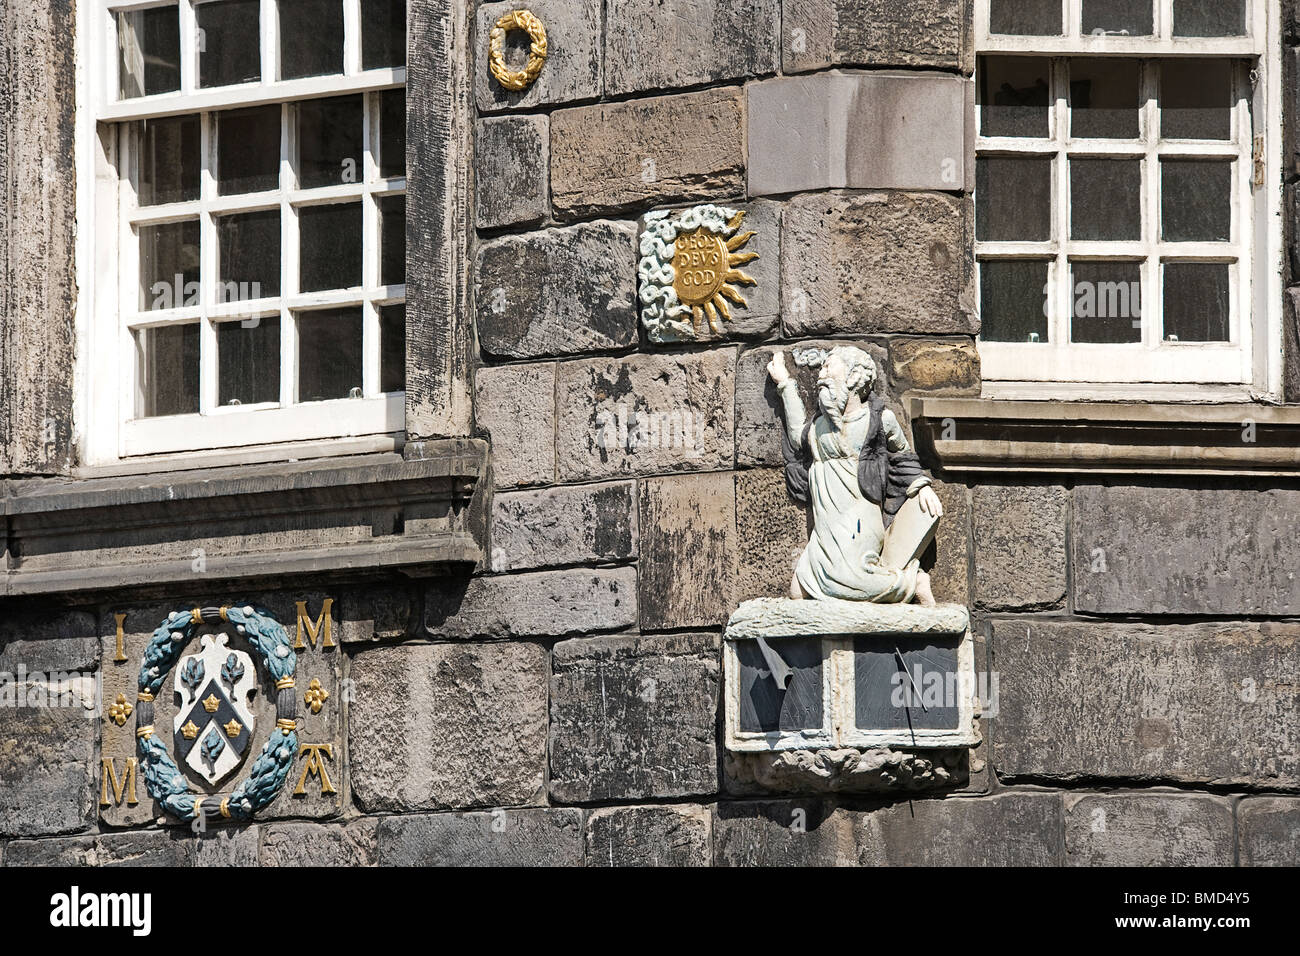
(162, 778)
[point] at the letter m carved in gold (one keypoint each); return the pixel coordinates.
(109, 781)
(319, 628)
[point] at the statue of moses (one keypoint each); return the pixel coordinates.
(874, 510)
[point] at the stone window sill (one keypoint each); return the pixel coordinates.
(349, 516)
(959, 435)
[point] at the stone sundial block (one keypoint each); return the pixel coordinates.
(808, 675)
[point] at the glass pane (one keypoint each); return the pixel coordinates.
(248, 361)
(1195, 201)
(392, 348)
(1014, 199)
(383, 34)
(329, 141)
(392, 240)
(1106, 199)
(1209, 18)
(1104, 99)
(1196, 99)
(169, 159)
(1014, 95)
(1125, 18)
(1013, 301)
(167, 370)
(248, 249)
(1107, 302)
(311, 38)
(169, 265)
(229, 48)
(248, 150)
(1025, 17)
(329, 247)
(392, 133)
(149, 52)
(1196, 301)
(329, 354)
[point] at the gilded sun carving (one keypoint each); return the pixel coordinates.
(690, 270)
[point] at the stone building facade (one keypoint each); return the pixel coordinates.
(515, 608)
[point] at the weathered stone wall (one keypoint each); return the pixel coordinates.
(1161, 664)
(37, 235)
(563, 705)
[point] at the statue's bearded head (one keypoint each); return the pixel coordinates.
(846, 371)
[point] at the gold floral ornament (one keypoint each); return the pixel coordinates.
(315, 696)
(120, 710)
(517, 80)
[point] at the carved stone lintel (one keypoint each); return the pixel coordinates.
(780, 617)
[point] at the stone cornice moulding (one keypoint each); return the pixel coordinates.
(959, 435)
(347, 516)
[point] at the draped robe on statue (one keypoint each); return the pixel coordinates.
(856, 478)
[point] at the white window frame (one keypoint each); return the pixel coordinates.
(107, 432)
(1251, 364)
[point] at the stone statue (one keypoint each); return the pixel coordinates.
(874, 510)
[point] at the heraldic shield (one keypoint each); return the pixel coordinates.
(214, 722)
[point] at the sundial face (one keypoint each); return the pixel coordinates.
(700, 265)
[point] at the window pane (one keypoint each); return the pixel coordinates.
(329, 354)
(169, 160)
(392, 133)
(1195, 201)
(248, 247)
(392, 240)
(149, 52)
(1107, 302)
(383, 34)
(1013, 301)
(229, 49)
(248, 358)
(169, 265)
(330, 247)
(1014, 199)
(167, 370)
(329, 141)
(1196, 301)
(248, 150)
(1025, 17)
(311, 38)
(1118, 17)
(392, 348)
(1014, 95)
(1196, 99)
(1106, 199)
(1209, 18)
(1104, 99)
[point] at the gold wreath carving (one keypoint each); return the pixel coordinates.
(517, 80)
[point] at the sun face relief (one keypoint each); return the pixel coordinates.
(700, 265)
(689, 267)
